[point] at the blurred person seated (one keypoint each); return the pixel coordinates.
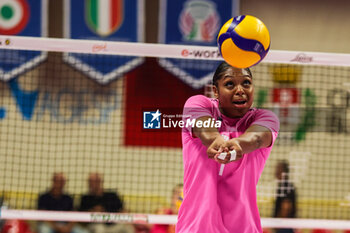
(285, 203)
(176, 200)
(55, 199)
(99, 200)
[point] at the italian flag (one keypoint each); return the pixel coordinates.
(14, 15)
(104, 16)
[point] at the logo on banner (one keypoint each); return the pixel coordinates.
(21, 18)
(199, 21)
(103, 20)
(14, 16)
(151, 120)
(193, 22)
(104, 17)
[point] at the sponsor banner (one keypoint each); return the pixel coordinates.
(110, 20)
(286, 103)
(119, 218)
(193, 22)
(21, 18)
(286, 100)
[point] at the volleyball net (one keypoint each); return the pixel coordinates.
(81, 106)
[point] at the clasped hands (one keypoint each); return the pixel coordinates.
(220, 145)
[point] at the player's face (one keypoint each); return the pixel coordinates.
(235, 92)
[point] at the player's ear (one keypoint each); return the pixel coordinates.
(216, 91)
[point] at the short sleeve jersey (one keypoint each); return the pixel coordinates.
(227, 203)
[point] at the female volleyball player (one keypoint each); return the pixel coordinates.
(225, 202)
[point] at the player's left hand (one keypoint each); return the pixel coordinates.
(232, 144)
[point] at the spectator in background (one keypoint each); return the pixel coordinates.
(56, 199)
(98, 200)
(176, 200)
(285, 203)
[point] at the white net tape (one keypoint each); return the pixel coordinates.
(71, 216)
(161, 50)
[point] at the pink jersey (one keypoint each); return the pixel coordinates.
(227, 203)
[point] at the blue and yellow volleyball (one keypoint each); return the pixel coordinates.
(243, 41)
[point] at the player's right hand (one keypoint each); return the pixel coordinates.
(216, 147)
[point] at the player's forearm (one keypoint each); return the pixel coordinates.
(249, 142)
(254, 138)
(207, 136)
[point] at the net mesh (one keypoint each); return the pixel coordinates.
(61, 115)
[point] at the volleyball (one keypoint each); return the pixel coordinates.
(243, 41)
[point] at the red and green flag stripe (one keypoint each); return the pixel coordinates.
(104, 16)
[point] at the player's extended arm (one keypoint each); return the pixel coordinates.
(210, 138)
(206, 135)
(255, 137)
